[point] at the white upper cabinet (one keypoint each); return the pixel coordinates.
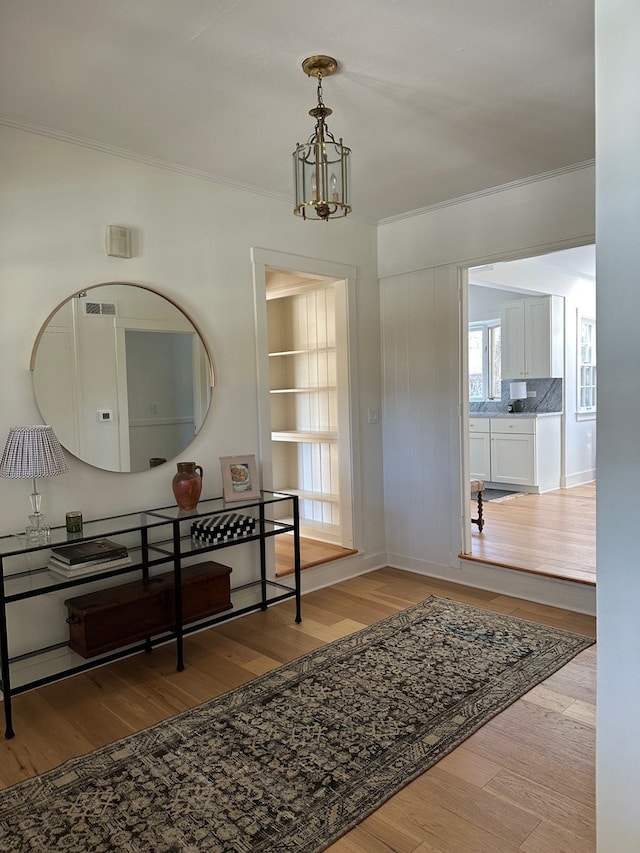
(512, 343)
(533, 338)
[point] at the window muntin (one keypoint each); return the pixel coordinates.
(587, 367)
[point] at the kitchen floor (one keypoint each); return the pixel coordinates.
(552, 534)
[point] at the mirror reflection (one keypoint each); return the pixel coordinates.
(123, 377)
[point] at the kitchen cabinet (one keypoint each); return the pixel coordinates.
(532, 338)
(519, 451)
(479, 449)
(513, 451)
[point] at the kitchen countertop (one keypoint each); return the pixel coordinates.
(512, 414)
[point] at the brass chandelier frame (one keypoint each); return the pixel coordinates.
(321, 165)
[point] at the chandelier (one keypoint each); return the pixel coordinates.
(321, 165)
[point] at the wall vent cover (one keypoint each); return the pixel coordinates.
(100, 308)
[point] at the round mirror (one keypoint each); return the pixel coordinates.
(123, 377)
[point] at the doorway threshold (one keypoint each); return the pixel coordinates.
(313, 552)
(573, 575)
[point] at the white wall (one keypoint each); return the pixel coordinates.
(421, 316)
(618, 305)
(518, 221)
(485, 303)
(421, 431)
(193, 241)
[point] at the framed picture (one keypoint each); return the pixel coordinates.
(239, 477)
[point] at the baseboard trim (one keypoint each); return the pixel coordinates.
(579, 479)
(555, 592)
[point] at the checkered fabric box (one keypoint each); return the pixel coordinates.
(222, 528)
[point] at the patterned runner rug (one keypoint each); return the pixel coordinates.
(295, 758)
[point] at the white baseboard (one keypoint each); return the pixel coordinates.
(580, 598)
(579, 479)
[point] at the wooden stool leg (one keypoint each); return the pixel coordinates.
(478, 486)
(480, 519)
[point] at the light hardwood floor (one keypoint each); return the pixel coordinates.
(524, 783)
(551, 534)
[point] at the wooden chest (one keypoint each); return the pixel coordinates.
(109, 618)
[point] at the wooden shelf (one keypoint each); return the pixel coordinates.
(308, 406)
(311, 390)
(310, 436)
(313, 496)
(308, 351)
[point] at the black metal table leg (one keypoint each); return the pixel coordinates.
(296, 554)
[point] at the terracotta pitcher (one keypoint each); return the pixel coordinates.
(187, 485)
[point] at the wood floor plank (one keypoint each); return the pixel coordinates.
(497, 816)
(551, 699)
(536, 764)
(584, 712)
(549, 836)
(378, 835)
(470, 767)
(550, 534)
(440, 826)
(544, 804)
(530, 769)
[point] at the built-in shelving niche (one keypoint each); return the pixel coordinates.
(307, 366)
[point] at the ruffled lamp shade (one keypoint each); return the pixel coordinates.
(31, 452)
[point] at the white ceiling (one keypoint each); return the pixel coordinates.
(578, 263)
(437, 99)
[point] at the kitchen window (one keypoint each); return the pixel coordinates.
(586, 386)
(484, 361)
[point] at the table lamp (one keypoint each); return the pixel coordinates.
(31, 452)
(518, 394)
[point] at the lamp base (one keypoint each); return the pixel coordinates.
(38, 531)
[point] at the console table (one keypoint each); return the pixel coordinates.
(154, 538)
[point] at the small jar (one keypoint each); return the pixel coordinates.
(74, 522)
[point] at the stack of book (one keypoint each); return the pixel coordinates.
(84, 558)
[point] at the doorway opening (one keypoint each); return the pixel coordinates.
(305, 412)
(544, 450)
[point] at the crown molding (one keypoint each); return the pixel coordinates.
(201, 175)
(83, 142)
(156, 162)
(521, 182)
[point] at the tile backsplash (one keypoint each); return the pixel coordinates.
(548, 397)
